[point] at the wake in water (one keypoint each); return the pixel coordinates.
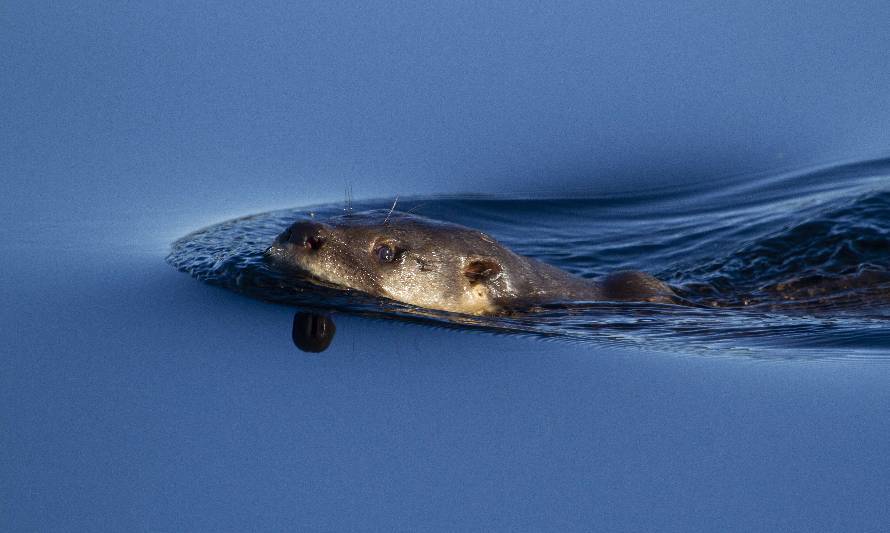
(797, 263)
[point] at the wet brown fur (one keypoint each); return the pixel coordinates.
(440, 265)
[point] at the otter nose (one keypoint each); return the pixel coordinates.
(308, 235)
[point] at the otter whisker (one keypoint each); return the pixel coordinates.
(391, 209)
(418, 206)
(347, 191)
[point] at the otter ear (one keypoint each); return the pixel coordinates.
(481, 270)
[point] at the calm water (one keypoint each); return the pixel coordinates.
(677, 137)
(796, 265)
(135, 397)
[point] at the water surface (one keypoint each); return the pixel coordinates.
(649, 134)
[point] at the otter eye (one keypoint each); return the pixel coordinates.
(385, 253)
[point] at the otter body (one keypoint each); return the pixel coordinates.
(439, 265)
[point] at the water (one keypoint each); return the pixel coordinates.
(794, 265)
(684, 134)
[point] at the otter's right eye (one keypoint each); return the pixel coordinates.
(385, 253)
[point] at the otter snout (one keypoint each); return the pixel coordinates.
(309, 236)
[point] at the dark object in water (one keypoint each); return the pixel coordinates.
(313, 332)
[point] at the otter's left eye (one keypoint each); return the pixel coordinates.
(385, 253)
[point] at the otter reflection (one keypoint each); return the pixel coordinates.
(312, 332)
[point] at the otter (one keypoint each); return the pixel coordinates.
(440, 265)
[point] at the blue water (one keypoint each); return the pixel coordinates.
(133, 397)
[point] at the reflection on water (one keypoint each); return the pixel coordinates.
(313, 332)
(798, 263)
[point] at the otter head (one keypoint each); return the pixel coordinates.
(403, 257)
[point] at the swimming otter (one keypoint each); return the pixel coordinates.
(439, 265)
